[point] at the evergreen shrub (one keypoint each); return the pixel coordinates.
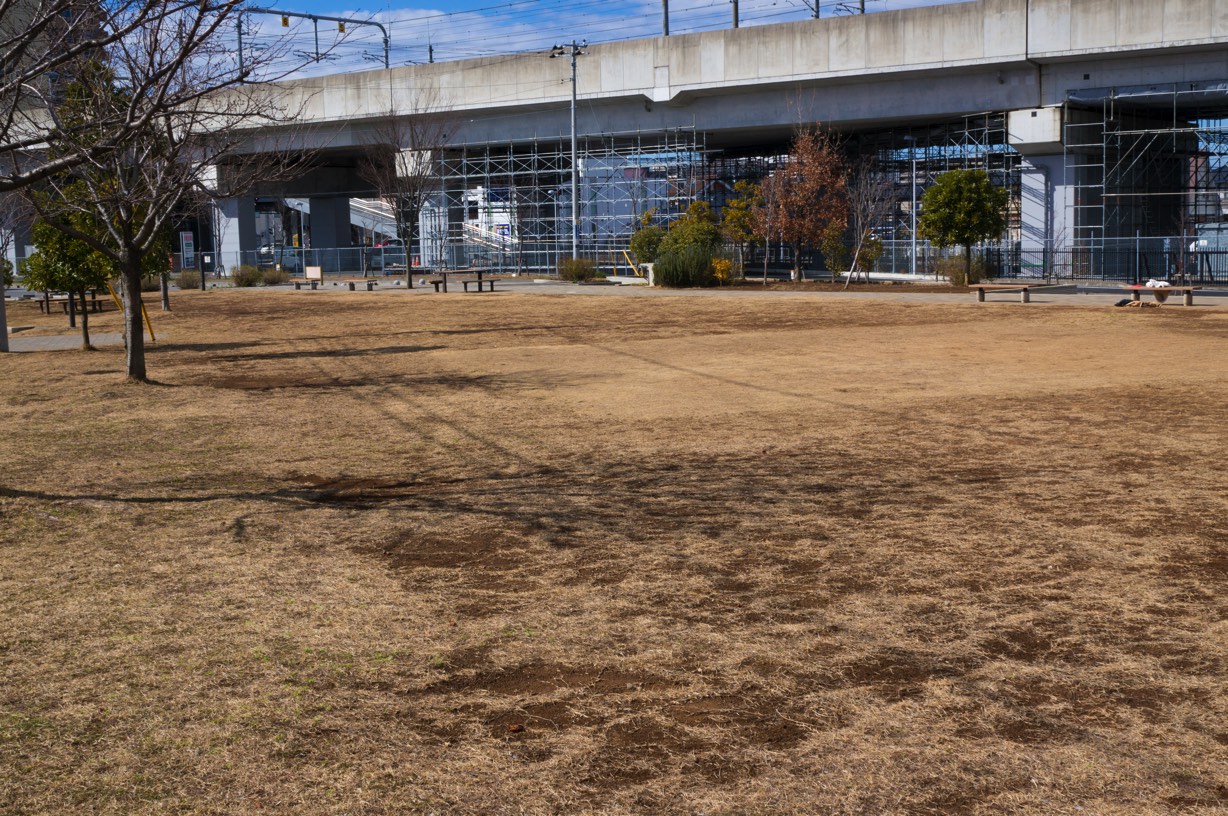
(577, 270)
(247, 275)
(690, 266)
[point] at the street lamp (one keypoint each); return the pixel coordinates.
(573, 49)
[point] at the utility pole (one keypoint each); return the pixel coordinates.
(574, 49)
(664, 18)
(912, 260)
(914, 213)
(735, 13)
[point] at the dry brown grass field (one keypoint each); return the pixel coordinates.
(529, 554)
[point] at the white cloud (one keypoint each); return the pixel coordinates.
(527, 25)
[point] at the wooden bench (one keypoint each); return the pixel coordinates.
(489, 283)
(312, 276)
(368, 282)
(1022, 288)
(1162, 292)
(442, 280)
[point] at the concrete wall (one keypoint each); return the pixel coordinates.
(759, 83)
(811, 53)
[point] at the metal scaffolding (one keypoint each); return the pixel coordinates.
(909, 159)
(509, 206)
(1146, 172)
(972, 143)
(1149, 167)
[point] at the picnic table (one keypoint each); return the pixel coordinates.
(48, 300)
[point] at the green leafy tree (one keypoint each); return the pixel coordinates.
(646, 241)
(65, 264)
(739, 224)
(696, 227)
(686, 252)
(835, 249)
(961, 208)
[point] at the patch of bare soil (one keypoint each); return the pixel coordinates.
(560, 554)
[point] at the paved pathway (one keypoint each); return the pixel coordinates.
(60, 342)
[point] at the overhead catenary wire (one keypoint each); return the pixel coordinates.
(533, 25)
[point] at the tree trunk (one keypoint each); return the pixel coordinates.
(85, 323)
(134, 329)
(166, 292)
(853, 271)
(968, 265)
(796, 273)
(4, 322)
(412, 238)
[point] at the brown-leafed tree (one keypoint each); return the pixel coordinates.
(807, 194)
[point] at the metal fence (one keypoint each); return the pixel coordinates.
(524, 258)
(1126, 261)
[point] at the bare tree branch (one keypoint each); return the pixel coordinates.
(402, 166)
(14, 214)
(152, 45)
(167, 108)
(871, 196)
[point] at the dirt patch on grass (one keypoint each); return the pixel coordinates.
(548, 554)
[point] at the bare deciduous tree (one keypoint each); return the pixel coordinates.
(871, 197)
(402, 166)
(44, 42)
(129, 192)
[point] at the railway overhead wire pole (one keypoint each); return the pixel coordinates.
(315, 19)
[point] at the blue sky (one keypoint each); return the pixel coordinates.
(459, 30)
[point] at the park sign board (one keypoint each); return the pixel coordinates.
(187, 248)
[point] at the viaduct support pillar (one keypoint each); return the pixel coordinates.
(330, 233)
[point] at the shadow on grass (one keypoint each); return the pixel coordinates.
(327, 353)
(212, 346)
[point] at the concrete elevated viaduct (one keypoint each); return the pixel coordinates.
(1054, 73)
